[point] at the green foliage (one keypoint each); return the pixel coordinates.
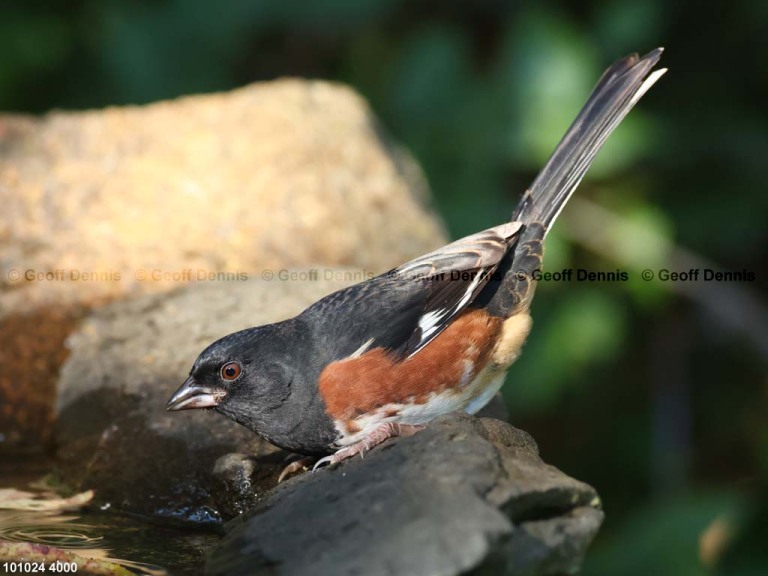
(582, 327)
(662, 538)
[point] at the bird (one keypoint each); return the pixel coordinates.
(384, 357)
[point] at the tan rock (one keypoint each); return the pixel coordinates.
(109, 204)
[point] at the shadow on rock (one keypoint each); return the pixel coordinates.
(143, 463)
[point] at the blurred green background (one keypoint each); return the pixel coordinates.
(655, 393)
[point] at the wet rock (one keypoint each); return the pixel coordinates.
(101, 205)
(466, 495)
(126, 360)
(236, 478)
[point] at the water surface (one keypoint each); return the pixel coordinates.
(139, 544)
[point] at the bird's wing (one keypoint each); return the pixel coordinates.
(406, 308)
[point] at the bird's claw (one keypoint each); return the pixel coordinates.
(328, 460)
(379, 434)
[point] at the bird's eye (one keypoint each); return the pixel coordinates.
(231, 371)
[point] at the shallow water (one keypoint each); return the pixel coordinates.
(139, 544)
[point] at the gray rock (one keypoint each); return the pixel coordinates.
(235, 476)
(465, 495)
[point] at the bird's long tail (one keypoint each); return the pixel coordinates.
(618, 90)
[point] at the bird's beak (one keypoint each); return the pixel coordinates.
(192, 395)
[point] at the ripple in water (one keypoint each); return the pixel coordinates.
(65, 532)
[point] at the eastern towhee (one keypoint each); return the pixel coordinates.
(384, 357)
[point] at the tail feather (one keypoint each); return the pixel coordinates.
(620, 87)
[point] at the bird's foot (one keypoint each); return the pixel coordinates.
(295, 466)
(376, 437)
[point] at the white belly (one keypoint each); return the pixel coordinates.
(471, 400)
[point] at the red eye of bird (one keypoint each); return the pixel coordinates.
(231, 371)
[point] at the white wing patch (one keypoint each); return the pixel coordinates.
(433, 321)
(429, 323)
(470, 289)
(360, 351)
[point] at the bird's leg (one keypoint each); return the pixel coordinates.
(376, 437)
(295, 466)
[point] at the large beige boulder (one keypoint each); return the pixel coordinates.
(104, 205)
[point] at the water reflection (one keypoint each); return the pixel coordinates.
(67, 532)
(136, 544)
(45, 528)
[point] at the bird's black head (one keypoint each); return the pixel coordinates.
(241, 376)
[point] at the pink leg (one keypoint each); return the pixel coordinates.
(296, 466)
(376, 437)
